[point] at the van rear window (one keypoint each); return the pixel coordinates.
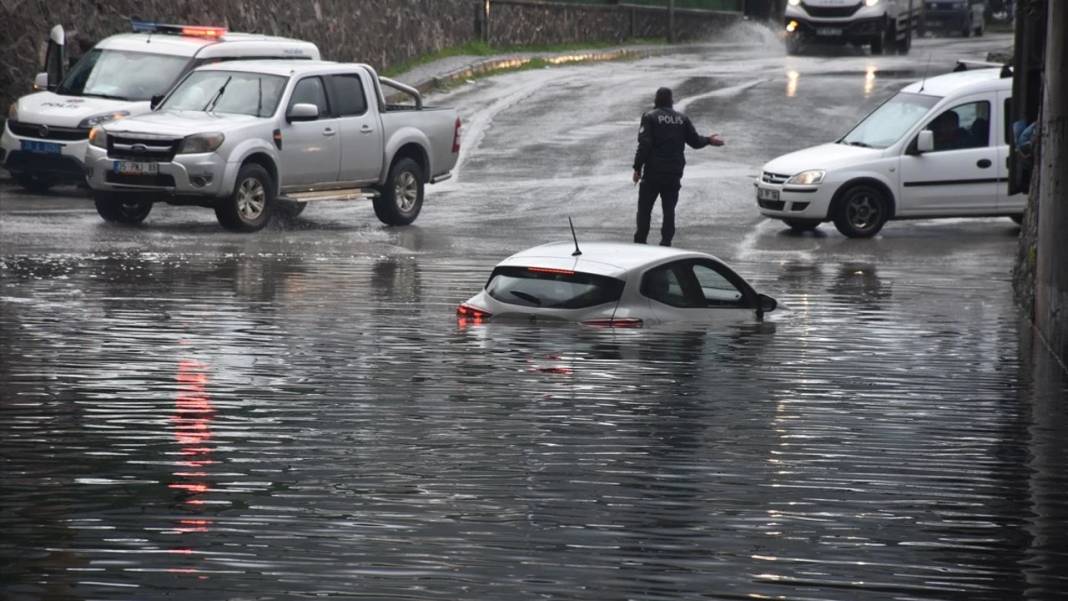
(552, 288)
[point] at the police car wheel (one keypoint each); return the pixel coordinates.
(35, 182)
(401, 198)
(121, 208)
(249, 207)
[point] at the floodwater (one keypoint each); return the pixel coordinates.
(269, 427)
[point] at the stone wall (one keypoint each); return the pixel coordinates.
(383, 33)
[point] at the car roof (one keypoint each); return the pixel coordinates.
(284, 67)
(961, 82)
(613, 259)
(185, 45)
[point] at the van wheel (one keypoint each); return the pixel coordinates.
(802, 225)
(249, 207)
(121, 208)
(401, 198)
(861, 212)
(35, 182)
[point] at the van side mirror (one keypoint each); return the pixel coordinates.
(154, 101)
(54, 59)
(302, 112)
(40, 82)
(925, 141)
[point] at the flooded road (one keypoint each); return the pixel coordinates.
(193, 414)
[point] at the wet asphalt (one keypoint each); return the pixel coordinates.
(188, 413)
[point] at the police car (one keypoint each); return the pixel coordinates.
(47, 132)
(608, 284)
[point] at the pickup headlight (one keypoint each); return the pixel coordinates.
(102, 118)
(200, 143)
(808, 178)
(13, 112)
(98, 137)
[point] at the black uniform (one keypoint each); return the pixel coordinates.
(660, 159)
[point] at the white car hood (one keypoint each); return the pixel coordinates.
(824, 156)
(49, 108)
(179, 123)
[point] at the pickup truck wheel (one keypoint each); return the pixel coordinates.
(402, 196)
(249, 207)
(291, 209)
(35, 182)
(861, 212)
(121, 208)
(802, 225)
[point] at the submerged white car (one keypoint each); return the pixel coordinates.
(609, 284)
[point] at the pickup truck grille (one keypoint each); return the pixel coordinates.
(831, 11)
(773, 178)
(46, 132)
(142, 148)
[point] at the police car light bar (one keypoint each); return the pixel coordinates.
(201, 31)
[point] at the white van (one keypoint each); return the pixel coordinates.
(939, 148)
(47, 132)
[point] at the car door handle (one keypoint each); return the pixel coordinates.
(367, 129)
(983, 163)
(329, 131)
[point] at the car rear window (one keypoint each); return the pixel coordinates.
(552, 288)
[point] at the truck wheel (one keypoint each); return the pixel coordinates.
(35, 182)
(802, 225)
(877, 46)
(793, 44)
(861, 212)
(402, 196)
(121, 208)
(905, 44)
(248, 209)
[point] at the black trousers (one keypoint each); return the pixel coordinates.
(666, 186)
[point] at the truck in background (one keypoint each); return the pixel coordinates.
(47, 132)
(884, 25)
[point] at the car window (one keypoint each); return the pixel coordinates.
(717, 289)
(348, 95)
(963, 126)
(310, 91)
(667, 285)
(552, 288)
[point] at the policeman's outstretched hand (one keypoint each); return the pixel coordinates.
(637, 176)
(714, 140)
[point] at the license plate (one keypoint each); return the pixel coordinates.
(132, 168)
(41, 147)
(829, 31)
(767, 194)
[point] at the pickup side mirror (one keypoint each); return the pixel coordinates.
(154, 101)
(925, 142)
(40, 82)
(54, 58)
(302, 112)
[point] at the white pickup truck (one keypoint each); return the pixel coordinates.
(249, 137)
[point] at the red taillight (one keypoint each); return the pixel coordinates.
(456, 136)
(618, 322)
(466, 311)
(551, 270)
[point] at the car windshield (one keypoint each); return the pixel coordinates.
(232, 92)
(886, 124)
(552, 288)
(122, 75)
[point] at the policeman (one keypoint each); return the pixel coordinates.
(659, 162)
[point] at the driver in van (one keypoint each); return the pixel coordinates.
(948, 134)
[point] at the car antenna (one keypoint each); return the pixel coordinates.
(923, 82)
(574, 237)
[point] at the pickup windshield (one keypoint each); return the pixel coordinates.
(886, 124)
(233, 92)
(122, 75)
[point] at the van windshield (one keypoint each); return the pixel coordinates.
(886, 124)
(122, 75)
(233, 92)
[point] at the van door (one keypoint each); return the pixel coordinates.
(960, 176)
(1007, 203)
(310, 149)
(361, 132)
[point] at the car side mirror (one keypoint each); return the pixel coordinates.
(154, 101)
(766, 304)
(40, 82)
(302, 112)
(925, 141)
